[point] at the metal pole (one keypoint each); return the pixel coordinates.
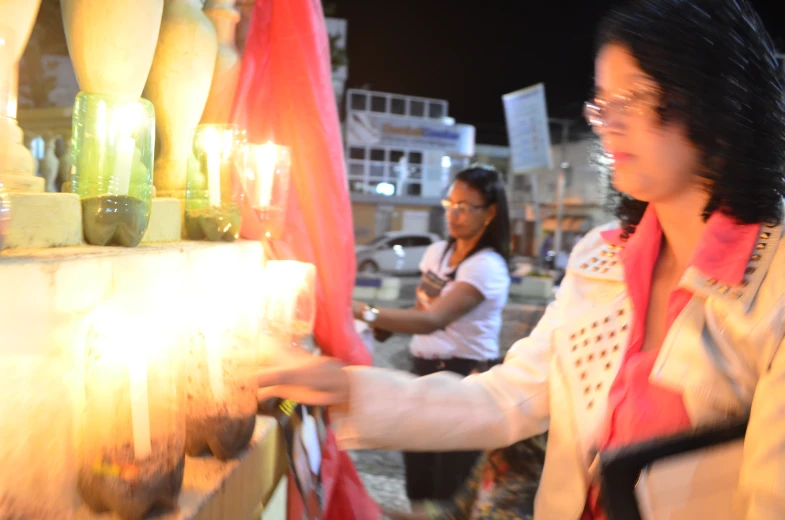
(537, 215)
(560, 187)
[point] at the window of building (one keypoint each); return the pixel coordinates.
(436, 110)
(392, 171)
(356, 169)
(377, 169)
(416, 108)
(359, 101)
(379, 104)
(396, 155)
(413, 189)
(398, 106)
(377, 154)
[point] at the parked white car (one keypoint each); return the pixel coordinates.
(397, 252)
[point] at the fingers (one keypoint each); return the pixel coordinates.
(272, 355)
(298, 394)
(280, 376)
(317, 381)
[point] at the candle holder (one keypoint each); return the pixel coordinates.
(221, 404)
(112, 152)
(223, 355)
(37, 479)
(214, 191)
(289, 301)
(266, 180)
(132, 452)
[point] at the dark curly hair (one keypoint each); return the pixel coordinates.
(718, 74)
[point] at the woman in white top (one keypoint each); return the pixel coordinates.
(457, 319)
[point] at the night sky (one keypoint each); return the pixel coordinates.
(471, 53)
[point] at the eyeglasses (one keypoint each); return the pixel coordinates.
(597, 110)
(461, 208)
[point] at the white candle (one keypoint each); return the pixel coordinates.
(266, 156)
(214, 176)
(124, 157)
(212, 343)
(140, 406)
(287, 286)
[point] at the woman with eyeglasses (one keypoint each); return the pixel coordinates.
(671, 320)
(458, 314)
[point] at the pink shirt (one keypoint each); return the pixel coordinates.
(637, 409)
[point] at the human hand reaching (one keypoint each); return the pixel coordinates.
(302, 377)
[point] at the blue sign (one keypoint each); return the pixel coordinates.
(367, 129)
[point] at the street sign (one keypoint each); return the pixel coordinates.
(527, 129)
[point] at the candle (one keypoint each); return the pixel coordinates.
(124, 120)
(213, 344)
(266, 174)
(124, 157)
(140, 406)
(266, 158)
(214, 177)
(289, 297)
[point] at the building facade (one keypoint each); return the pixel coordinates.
(583, 198)
(401, 154)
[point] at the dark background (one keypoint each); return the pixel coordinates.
(472, 52)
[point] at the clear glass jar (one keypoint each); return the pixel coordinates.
(288, 302)
(221, 403)
(38, 477)
(112, 153)
(132, 450)
(266, 178)
(223, 353)
(214, 189)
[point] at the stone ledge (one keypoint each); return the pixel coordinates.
(49, 220)
(51, 293)
(44, 220)
(84, 251)
(22, 183)
(165, 221)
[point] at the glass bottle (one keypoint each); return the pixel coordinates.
(214, 187)
(112, 153)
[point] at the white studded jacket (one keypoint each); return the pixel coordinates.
(722, 353)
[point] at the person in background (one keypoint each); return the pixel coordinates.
(670, 319)
(458, 314)
(502, 486)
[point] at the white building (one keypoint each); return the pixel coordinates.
(401, 154)
(583, 198)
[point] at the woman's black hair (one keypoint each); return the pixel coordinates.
(718, 74)
(489, 183)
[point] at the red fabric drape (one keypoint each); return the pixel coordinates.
(285, 95)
